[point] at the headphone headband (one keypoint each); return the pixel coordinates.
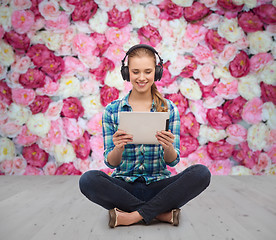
(158, 68)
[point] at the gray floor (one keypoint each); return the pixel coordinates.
(51, 207)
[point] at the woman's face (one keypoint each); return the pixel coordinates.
(141, 73)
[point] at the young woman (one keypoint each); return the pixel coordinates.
(141, 187)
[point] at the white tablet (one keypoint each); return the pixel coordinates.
(143, 125)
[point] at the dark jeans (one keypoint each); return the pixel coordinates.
(149, 200)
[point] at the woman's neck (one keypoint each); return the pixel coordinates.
(140, 101)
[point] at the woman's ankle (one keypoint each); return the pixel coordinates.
(165, 217)
(126, 219)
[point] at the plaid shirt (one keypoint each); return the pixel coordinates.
(139, 160)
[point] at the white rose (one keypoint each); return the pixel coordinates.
(7, 56)
(269, 114)
(152, 14)
(18, 114)
(209, 3)
(114, 79)
(222, 72)
(134, 39)
(69, 87)
(230, 30)
(183, 3)
(98, 22)
(250, 3)
(90, 61)
(5, 18)
(213, 102)
(7, 149)
(190, 89)
(167, 52)
(241, 170)
(273, 49)
(249, 87)
(64, 154)
(105, 5)
(274, 3)
(207, 134)
(52, 40)
(39, 125)
(138, 16)
(49, 9)
(91, 104)
(256, 136)
(213, 20)
(3, 71)
(176, 66)
(268, 75)
(238, 2)
(259, 42)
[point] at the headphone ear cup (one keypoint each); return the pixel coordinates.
(125, 73)
(158, 73)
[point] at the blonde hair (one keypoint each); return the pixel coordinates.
(159, 101)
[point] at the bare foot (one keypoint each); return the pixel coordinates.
(126, 219)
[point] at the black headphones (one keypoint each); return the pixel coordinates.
(158, 68)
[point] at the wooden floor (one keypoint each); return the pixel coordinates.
(52, 207)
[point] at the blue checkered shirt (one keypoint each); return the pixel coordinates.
(139, 160)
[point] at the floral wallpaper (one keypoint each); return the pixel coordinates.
(60, 66)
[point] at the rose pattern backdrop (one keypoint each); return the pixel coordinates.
(60, 66)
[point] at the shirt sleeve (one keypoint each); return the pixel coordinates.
(108, 131)
(174, 126)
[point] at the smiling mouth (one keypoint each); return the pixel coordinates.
(141, 84)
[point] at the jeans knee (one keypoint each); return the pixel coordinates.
(205, 174)
(86, 179)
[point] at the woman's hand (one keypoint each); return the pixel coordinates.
(166, 139)
(121, 138)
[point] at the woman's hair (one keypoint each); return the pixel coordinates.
(159, 101)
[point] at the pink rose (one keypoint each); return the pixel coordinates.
(72, 129)
(22, 64)
(5, 93)
(234, 108)
(3, 110)
(83, 44)
(23, 96)
(67, 169)
(19, 165)
(33, 78)
(49, 9)
(208, 90)
(263, 163)
(108, 94)
(245, 156)
(72, 108)
(195, 33)
(82, 146)
(167, 78)
(199, 111)
(50, 168)
(115, 53)
(97, 147)
(205, 74)
(250, 22)
(9, 129)
(200, 156)
(40, 104)
(267, 13)
(180, 101)
(169, 10)
(221, 167)
(218, 119)
(22, 21)
(107, 171)
(25, 138)
(215, 41)
(118, 35)
(268, 93)
(189, 125)
(101, 71)
(53, 67)
(220, 150)
(252, 111)
(102, 43)
(62, 22)
(229, 5)
(50, 88)
(35, 156)
(84, 10)
(196, 12)
(203, 54)
(228, 90)
(188, 71)
(6, 167)
(34, 171)
(72, 66)
(19, 42)
(228, 54)
(236, 134)
(56, 133)
(188, 145)
(39, 53)
(272, 153)
(54, 110)
(117, 18)
(94, 125)
(149, 35)
(240, 66)
(82, 165)
(259, 61)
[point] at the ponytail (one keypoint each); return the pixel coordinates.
(160, 102)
